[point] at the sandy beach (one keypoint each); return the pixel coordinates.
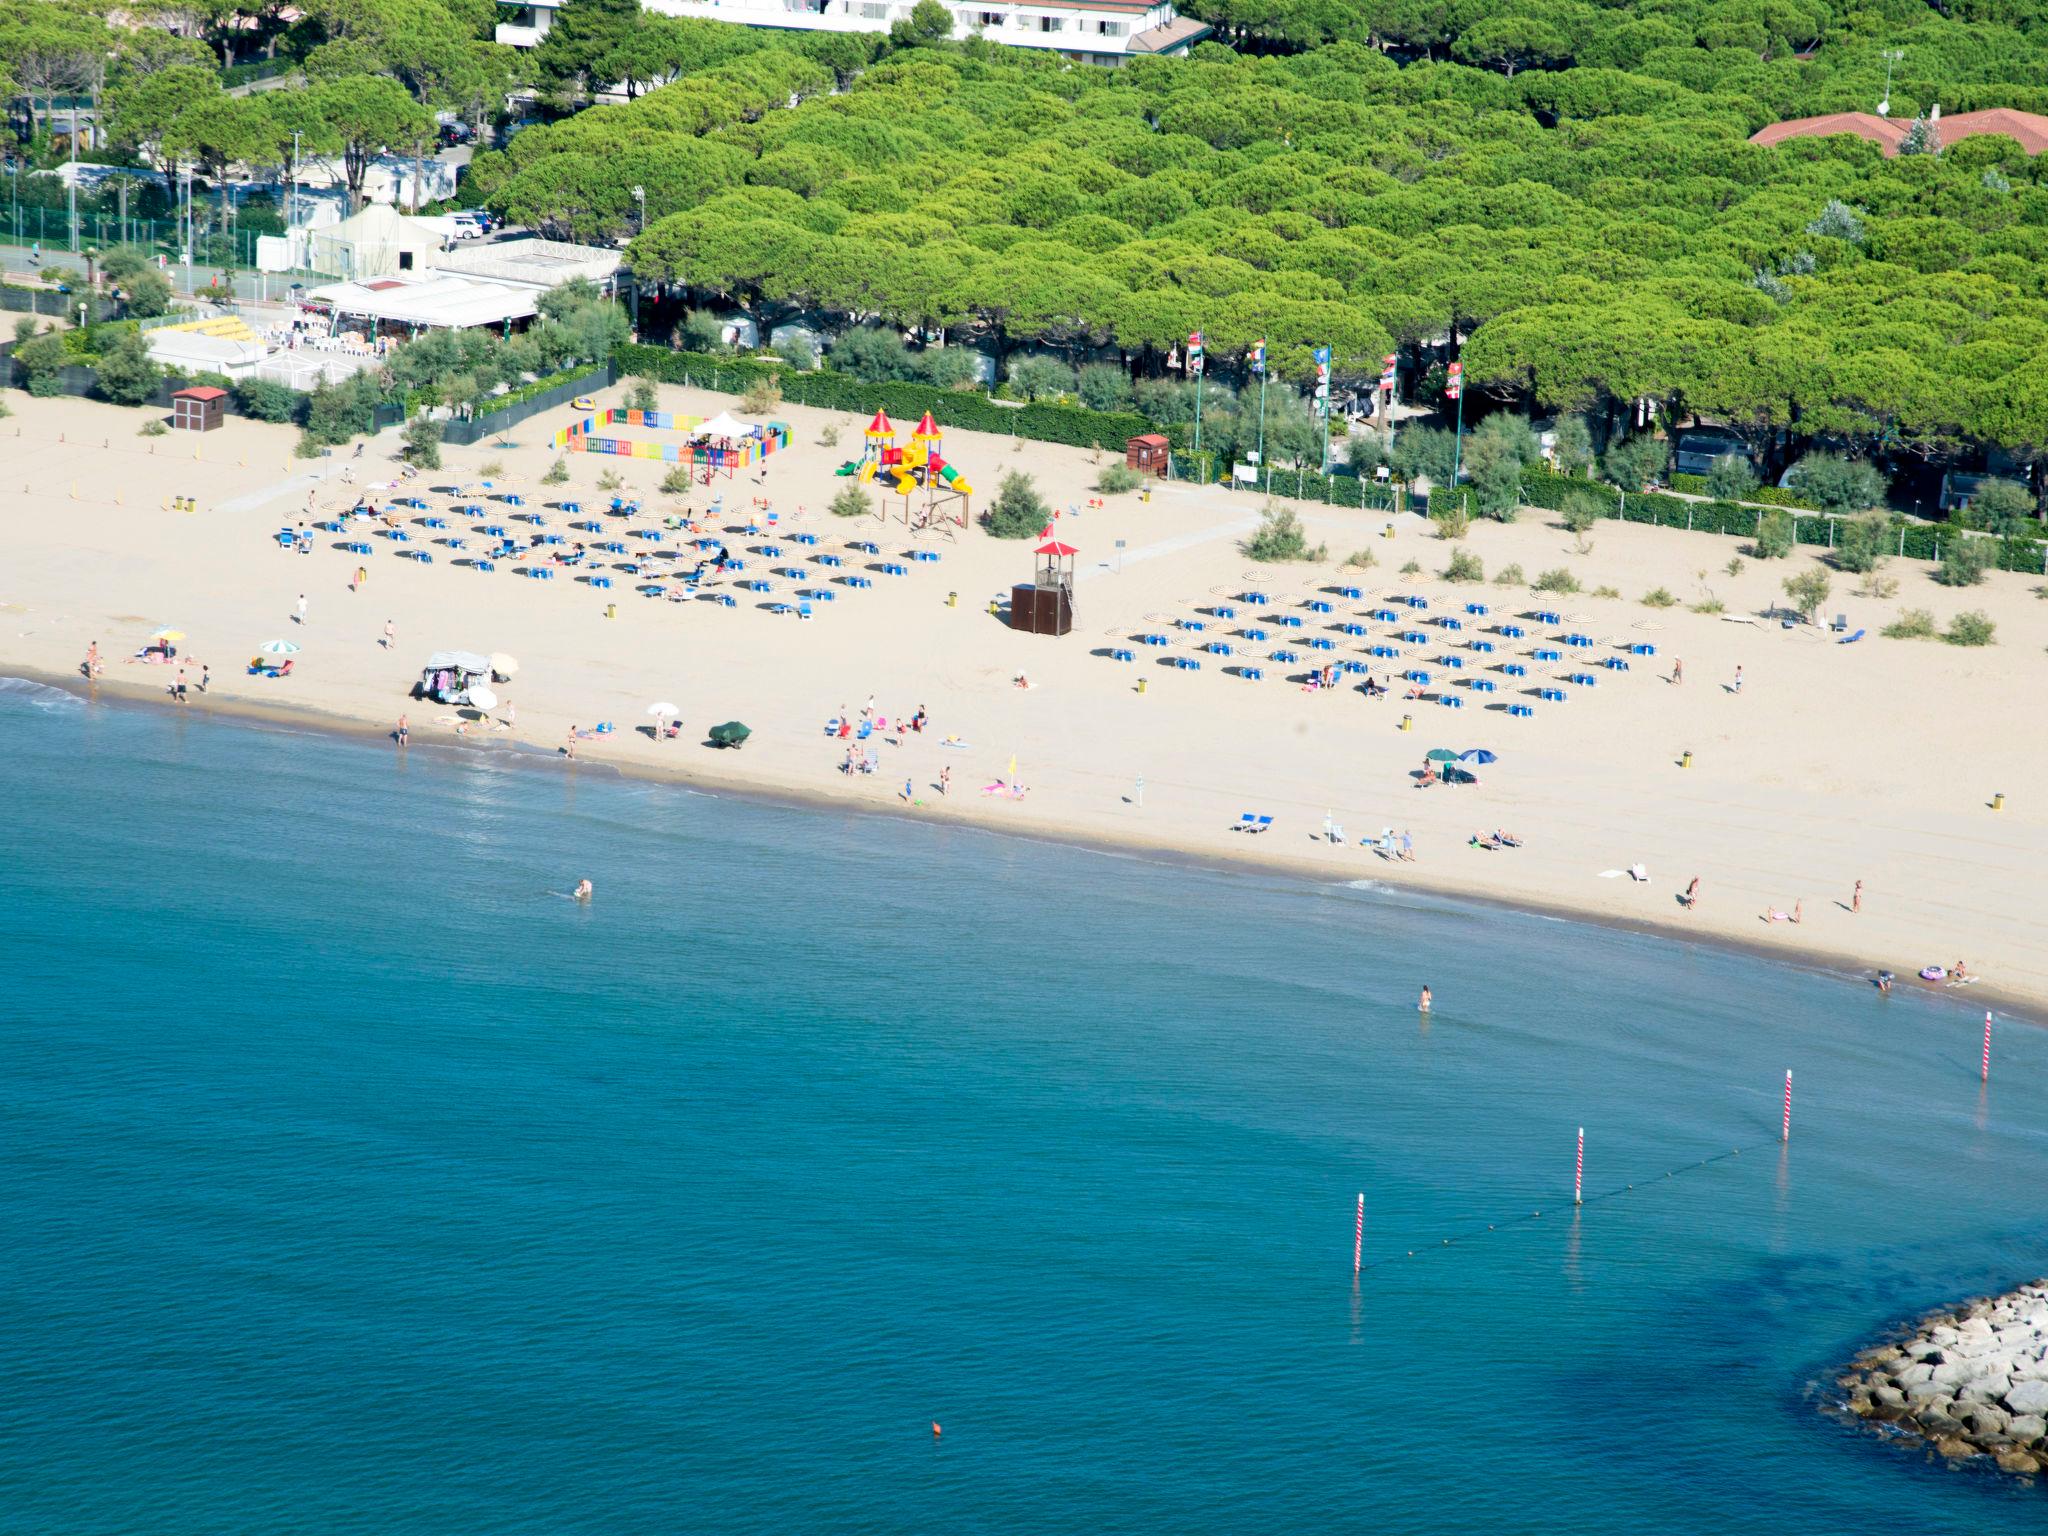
(1877, 761)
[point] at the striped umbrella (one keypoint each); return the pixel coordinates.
(278, 648)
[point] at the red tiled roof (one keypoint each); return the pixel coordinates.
(200, 392)
(2028, 129)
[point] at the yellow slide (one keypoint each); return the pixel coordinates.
(867, 471)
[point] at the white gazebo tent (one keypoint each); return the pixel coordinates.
(724, 424)
(376, 242)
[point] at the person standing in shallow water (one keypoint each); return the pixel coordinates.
(1424, 1004)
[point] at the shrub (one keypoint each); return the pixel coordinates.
(1964, 561)
(1607, 592)
(950, 368)
(1836, 484)
(1365, 560)
(1574, 445)
(701, 332)
(1579, 512)
(1508, 576)
(1731, 478)
(828, 435)
(127, 374)
(266, 400)
(2001, 507)
(1863, 544)
(1412, 568)
(797, 351)
(611, 480)
(1774, 536)
(422, 438)
(1734, 567)
(1634, 462)
(1280, 537)
(851, 500)
(558, 473)
(308, 446)
(677, 481)
(1710, 605)
(1874, 585)
(1451, 519)
(154, 427)
(1018, 512)
(1972, 628)
(643, 396)
(1808, 590)
(1105, 387)
(1913, 624)
(1464, 566)
(45, 386)
(1658, 597)
(1421, 452)
(1040, 378)
(761, 397)
(1115, 479)
(1559, 580)
(1493, 464)
(492, 469)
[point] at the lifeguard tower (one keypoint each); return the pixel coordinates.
(1045, 604)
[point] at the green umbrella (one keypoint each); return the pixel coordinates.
(1440, 755)
(730, 734)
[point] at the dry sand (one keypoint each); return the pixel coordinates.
(1876, 761)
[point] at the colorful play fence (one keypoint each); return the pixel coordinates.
(725, 453)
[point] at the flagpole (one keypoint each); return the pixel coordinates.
(1458, 442)
(1199, 372)
(1262, 421)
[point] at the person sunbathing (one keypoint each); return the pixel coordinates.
(1773, 915)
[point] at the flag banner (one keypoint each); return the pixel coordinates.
(1196, 353)
(1259, 356)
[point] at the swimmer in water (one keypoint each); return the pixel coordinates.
(583, 890)
(1425, 1000)
(1884, 982)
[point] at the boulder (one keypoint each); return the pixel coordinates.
(1914, 1374)
(1871, 1358)
(1981, 1419)
(1921, 1393)
(1953, 1373)
(1888, 1396)
(2021, 1462)
(2028, 1397)
(2027, 1427)
(1955, 1449)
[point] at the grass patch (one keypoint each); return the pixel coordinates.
(1657, 597)
(1559, 580)
(1710, 605)
(1464, 566)
(1508, 576)
(1913, 624)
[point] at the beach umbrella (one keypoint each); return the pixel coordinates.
(482, 698)
(1476, 755)
(168, 634)
(730, 734)
(1440, 755)
(278, 648)
(503, 665)
(661, 712)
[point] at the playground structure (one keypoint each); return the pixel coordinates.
(905, 471)
(720, 446)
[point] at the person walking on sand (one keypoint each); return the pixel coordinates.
(1407, 847)
(1738, 678)
(569, 751)
(91, 669)
(403, 733)
(1677, 672)
(390, 634)
(362, 575)
(178, 688)
(1856, 898)
(945, 780)
(302, 610)
(1692, 894)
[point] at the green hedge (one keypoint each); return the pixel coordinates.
(1073, 425)
(1763, 495)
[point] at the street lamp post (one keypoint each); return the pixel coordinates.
(1891, 57)
(639, 228)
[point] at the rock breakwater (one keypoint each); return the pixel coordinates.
(1973, 1380)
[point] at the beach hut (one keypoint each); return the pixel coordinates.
(1148, 454)
(199, 409)
(449, 675)
(1045, 604)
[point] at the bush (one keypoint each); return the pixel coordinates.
(1018, 512)
(611, 480)
(1508, 576)
(422, 437)
(950, 367)
(127, 374)
(1913, 624)
(761, 397)
(1105, 387)
(1574, 445)
(851, 500)
(1972, 628)
(1634, 462)
(1412, 568)
(1361, 560)
(1464, 566)
(154, 427)
(1863, 544)
(1421, 452)
(1451, 519)
(1559, 580)
(1710, 605)
(558, 473)
(1735, 567)
(1039, 377)
(828, 435)
(797, 351)
(1731, 478)
(266, 400)
(1658, 597)
(1116, 479)
(1493, 464)
(1808, 590)
(1878, 586)
(645, 395)
(1607, 591)
(1836, 484)
(1280, 537)
(1964, 561)
(1774, 536)
(677, 481)
(2002, 507)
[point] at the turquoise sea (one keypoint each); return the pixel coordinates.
(353, 1179)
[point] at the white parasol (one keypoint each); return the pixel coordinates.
(482, 698)
(503, 665)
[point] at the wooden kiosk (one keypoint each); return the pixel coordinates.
(1149, 454)
(201, 408)
(1045, 606)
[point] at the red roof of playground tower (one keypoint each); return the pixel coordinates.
(880, 426)
(925, 427)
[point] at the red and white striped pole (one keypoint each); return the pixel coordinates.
(1579, 1172)
(1786, 1133)
(1987, 1045)
(1358, 1237)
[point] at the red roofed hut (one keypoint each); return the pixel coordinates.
(1045, 605)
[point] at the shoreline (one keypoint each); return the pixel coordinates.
(1839, 963)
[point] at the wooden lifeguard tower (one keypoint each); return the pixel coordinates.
(1045, 605)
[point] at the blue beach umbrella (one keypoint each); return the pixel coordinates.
(1476, 755)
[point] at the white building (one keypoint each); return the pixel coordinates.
(1087, 31)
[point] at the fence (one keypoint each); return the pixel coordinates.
(50, 228)
(477, 428)
(48, 301)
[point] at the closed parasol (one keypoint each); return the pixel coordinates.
(730, 734)
(503, 666)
